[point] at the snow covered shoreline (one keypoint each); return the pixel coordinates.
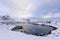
(6, 34)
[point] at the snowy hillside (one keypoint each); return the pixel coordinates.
(7, 34)
(6, 19)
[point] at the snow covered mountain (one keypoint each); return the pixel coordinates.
(6, 19)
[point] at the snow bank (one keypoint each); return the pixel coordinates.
(6, 34)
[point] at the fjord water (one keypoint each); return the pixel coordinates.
(36, 29)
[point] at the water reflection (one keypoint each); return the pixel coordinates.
(39, 30)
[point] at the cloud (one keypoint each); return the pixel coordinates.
(51, 15)
(23, 4)
(25, 8)
(46, 16)
(50, 2)
(19, 8)
(22, 14)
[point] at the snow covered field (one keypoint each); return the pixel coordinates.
(7, 34)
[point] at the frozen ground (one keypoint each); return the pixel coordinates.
(7, 34)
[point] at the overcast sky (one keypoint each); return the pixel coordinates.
(30, 8)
